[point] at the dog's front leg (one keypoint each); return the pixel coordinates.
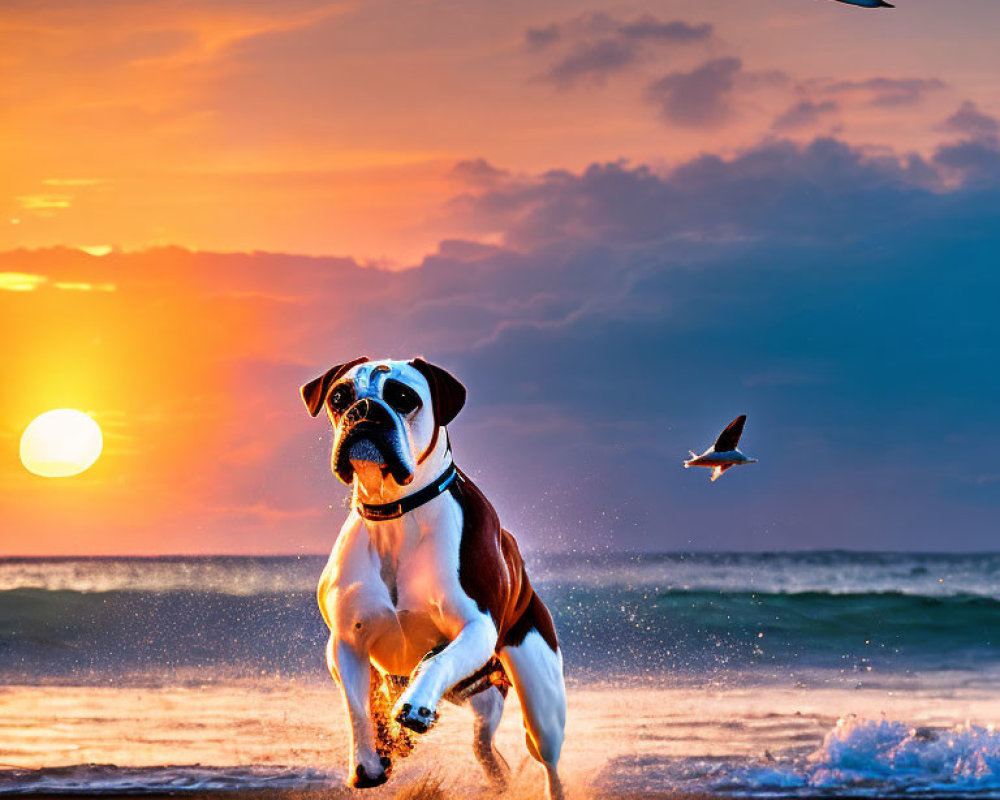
(474, 645)
(350, 666)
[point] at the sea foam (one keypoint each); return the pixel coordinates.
(862, 757)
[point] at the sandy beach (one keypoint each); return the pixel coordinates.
(289, 739)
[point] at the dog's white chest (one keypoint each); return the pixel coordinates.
(390, 543)
(395, 584)
(403, 562)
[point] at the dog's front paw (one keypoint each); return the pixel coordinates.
(418, 720)
(362, 780)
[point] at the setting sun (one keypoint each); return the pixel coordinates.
(61, 443)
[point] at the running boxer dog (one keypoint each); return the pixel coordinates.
(425, 595)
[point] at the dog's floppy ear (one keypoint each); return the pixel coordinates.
(314, 392)
(447, 392)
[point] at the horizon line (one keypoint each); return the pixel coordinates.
(540, 551)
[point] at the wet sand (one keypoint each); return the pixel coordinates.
(423, 792)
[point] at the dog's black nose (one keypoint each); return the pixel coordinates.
(369, 412)
(358, 411)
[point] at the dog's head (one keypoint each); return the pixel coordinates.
(386, 416)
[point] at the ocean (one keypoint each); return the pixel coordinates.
(777, 674)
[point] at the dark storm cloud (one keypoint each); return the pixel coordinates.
(699, 98)
(836, 297)
(976, 162)
(975, 158)
(777, 189)
(599, 45)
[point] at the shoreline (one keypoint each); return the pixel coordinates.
(416, 791)
(289, 742)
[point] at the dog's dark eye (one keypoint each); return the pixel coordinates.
(400, 397)
(340, 398)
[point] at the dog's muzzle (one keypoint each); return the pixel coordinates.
(369, 432)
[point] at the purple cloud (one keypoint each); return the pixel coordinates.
(804, 114)
(973, 123)
(538, 38)
(599, 45)
(592, 60)
(700, 98)
(888, 92)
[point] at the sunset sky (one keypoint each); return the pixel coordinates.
(619, 224)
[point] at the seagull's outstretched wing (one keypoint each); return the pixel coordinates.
(868, 3)
(729, 439)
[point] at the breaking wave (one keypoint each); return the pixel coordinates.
(858, 758)
(80, 636)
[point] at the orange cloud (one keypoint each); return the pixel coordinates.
(20, 281)
(26, 282)
(44, 202)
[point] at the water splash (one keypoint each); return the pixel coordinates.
(858, 758)
(889, 754)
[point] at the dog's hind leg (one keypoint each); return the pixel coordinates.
(488, 708)
(535, 669)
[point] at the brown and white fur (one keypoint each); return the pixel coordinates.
(439, 595)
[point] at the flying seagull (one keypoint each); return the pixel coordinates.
(868, 3)
(724, 453)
